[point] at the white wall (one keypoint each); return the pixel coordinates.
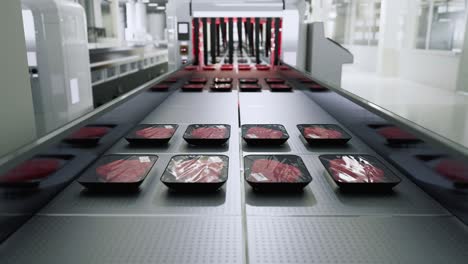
(365, 57)
(16, 107)
(429, 67)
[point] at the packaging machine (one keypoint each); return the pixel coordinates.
(256, 50)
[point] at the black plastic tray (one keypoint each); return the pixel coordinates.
(12, 178)
(250, 87)
(266, 173)
(265, 141)
(458, 170)
(341, 140)
(190, 87)
(400, 136)
(222, 80)
(189, 137)
(192, 164)
(137, 137)
(94, 181)
(248, 80)
(221, 87)
(75, 139)
(385, 183)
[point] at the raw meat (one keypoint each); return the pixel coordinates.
(123, 170)
(279, 86)
(266, 170)
(453, 170)
(350, 170)
(263, 132)
(392, 132)
(250, 86)
(263, 67)
(227, 67)
(248, 80)
(209, 68)
(155, 132)
(193, 86)
(207, 169)
(33, 169)
(209, 132)
(90, 132)
(274, 80)
(320, 132)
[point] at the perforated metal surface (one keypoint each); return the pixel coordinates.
(357, 240)
(101, 240)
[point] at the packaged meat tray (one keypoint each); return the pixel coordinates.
(274, 80)
(31, 172)
(244, 67)
(117, 173)
(248, 80)
(88, 135)
(193, 87)
(222, 80)
(396, 135)
(359, 173)
(227, 67)
(196, 173)
(221, 87)
(207, 135)
(276, 173)
(453, 170)
(209, 68)
(253, 87)
(151, 134)
(160, 87)
(261, 67)
(276, 87)
(198, 80)
(323, 134)
(264, 134)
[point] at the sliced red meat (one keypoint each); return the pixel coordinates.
(392, 132)
(205, 170)
(320, 132)
(350, 170)
(263, 132)
(227, 67)
(123, 170)
(279, 86)
(155, 132)
(33, 169)
(244, 68)
(90, 132)
(209, 132)
(453, 170)
(209, 68)
(250, 86)
(266, 170)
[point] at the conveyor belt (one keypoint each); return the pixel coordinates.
(236, 225)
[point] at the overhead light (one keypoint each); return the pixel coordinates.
(153, 4)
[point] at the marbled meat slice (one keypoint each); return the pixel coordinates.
(453, 170)
(392, 132)
(203, 170)
(123, 170)
(90, 132)
(263, 132)
(209, 132)
(267, 170)
(320, 132)
(33, 169)
(155, 132)
(350, 170)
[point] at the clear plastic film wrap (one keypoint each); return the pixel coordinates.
(123, 168)
(275, 169)
(196, 169)
(264, 131)
(155, 131)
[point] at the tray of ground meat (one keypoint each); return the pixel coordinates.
(117, 172)
(33, 171)
(198, 80)
(274, 80)
(227, 67)
(193, 87)
(221, 87)
(323, 134)
(276, 172)
(456, 171)
(264, 134)
(198, 173)
(209, 68)
(250, 87)
(243, 67)
(248, 80)
(395, 135)
(207, 135)
(360, 173)
(88, 135)
(222, 80)
(151, 134)
(280, 87)
(261, 67)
